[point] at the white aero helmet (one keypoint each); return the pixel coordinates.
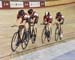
(46, 13)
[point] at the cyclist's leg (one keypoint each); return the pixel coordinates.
(35, 31)
(61, 30)
(31, 30)
(19, 35)
(57, 24)
(20, 31)
(62, 26)
(49, 26)
(26, 26)
(47, 32)
(32, 33)
(47, 29)
(26, 29)
(35, 28)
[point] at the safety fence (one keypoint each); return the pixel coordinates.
(27, 4)
(24, 4)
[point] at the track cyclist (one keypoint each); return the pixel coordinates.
(59, 20)
(22, 23)
(33, 20)
(47, 20)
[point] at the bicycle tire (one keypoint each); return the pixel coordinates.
(60, 35)
(34, 36)
(25, 40)
(50, 35)
(56, 34)
(43, 37)
(15, 35)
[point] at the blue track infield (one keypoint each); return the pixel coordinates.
(67, 56)
(63, 51)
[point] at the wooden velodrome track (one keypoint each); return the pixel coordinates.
(8, 18)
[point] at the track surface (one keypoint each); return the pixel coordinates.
(63, 51)
(8, 18)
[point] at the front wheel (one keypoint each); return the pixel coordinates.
(49, 35)
(34, 33)
(43, 36)
(14, 42)
(56, 34)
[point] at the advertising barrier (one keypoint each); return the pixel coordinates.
(26, 4)
(0, 4)
(34, 4)
(5, 4)
(16, 4)
(42, 3)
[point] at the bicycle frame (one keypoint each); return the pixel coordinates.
(46, 33)
(19, 39)
(20, 32)
(46, 27)
(58, 32)
(58, 27)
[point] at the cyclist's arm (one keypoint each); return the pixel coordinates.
(18, 21)
(44, 19)
(36, 17)
(51, 19)
(62, 19)
(55, 22)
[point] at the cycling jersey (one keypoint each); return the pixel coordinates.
(24, 17)
(47, 19)
(34, 16)
(59, 18)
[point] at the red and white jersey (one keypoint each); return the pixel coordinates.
(25, 17)
(19, 16)
(59, 18)
(35, 16)
(47, 19)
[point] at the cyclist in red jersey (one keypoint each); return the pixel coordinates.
(21, 17)
(33, 15)
(47, 19)
(59, 20)
(33, 19)
(22, 23)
